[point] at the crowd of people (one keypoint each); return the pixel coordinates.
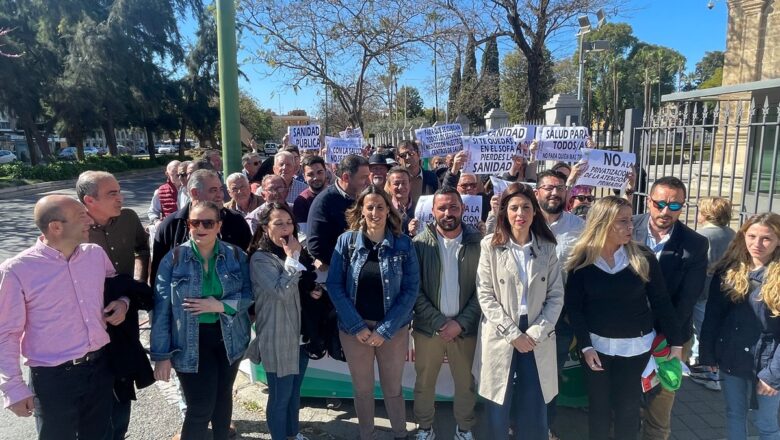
(329, 259)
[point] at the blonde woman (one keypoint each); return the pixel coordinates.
(614, 294)
(741, 328)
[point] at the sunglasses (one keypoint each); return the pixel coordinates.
(673, 206)
(467, 185)
(182, 174)
(406, 155)
(207, 224)
(588, 199)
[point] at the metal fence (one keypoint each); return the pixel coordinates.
(726, 149)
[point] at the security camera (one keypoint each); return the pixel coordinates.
(710, 4)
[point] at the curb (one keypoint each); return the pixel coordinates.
(22, 190)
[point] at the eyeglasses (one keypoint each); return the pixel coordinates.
(673, 206)
(551, 188)
(207, 224)
(589, 199)
(182, 174)
(467, 185)
(406, 155)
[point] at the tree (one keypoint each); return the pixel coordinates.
(3, 32)
(653, 69)
(408, 102)
(565, 73)
(490, 75)
(454, 89)
(708, 72)
(514, 84)
(259, 122)
(339, 43)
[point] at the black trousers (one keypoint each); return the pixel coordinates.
(73, 401)
(209, 392)
(616, 390)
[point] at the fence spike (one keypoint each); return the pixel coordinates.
(765, 108)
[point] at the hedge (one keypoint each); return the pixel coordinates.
(63, 170)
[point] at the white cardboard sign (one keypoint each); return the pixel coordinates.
(306, 137)
(521, 133)
(489, 154)
(472, 210)
(339, 148)
(561, 143)
(607, 169)
(440, 140)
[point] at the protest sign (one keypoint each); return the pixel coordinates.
(472, 210)
(489, 154)
(499, 185)
(306, 137)
(561, 143)
(440, 140)
(607, 169)
(339, 148)
(351, 133)
(521, 133)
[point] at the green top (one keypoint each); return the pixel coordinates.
(211, 286)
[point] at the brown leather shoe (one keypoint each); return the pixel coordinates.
(176, 437)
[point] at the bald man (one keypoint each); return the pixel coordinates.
(51, 301)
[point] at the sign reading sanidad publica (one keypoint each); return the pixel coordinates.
(305, 137)
(562, 144)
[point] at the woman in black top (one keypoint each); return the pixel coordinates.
(610, 282)
(741, 327)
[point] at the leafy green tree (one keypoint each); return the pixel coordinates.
(454, 89)
(409, 101)
(259, 122)
(490, 75)
(515, 97)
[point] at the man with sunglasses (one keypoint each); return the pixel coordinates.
(250, 164)
(682, 255)
(424, 182)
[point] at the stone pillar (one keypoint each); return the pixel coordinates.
(496, 118)
(746, 42)
(559, 107)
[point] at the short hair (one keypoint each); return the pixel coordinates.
(410, 145)
(283, 153)
(247, 157)
(88, 182)
(715, 210)
(210, 152)
(311, 160)
(236, 176)
(671, 182)
(45, 213)
(351, 164)
(398, 169)
(198, 180)
(560, 165)
(204, 164)
(292, 149)
(184, 164)
(447, 191)
(550, 173)
(268, 177)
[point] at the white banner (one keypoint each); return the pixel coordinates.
(339, 148)
(489, 154)
(521, 133)
(351, 133)
(472, 209)
(440, 140)
(607, 169)
(561, 143)
(499, 185)
(306, 137)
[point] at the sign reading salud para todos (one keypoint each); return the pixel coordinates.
(561, 143)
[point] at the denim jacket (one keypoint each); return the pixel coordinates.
(400, 280)
(174, 330)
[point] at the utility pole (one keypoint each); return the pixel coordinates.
(228, 86)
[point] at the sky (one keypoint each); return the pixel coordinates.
(688, 26)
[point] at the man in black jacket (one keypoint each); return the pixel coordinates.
(203, 185)
(424, 182)
(326, 215)
(682, 255)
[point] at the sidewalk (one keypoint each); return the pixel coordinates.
(698, 414)
(18, 191)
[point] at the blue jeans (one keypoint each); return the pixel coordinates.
(737, 392)
(523, 402)
(284, 401)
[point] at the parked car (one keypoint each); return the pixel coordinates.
(168, 149)
(68, 153)
(7, 156)
(121, 149)
(91, 151)
(270, 148)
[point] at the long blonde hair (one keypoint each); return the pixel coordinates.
(601, 217)
(736, 263)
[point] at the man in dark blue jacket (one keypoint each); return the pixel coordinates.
(682, 254)
(326, 216)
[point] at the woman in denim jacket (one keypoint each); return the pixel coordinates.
(741, 328)
(200, 324)
(373, 282)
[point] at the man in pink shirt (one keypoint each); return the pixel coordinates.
(51, 301)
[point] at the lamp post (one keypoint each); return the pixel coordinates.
(591, 46)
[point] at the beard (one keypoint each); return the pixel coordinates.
(548, 207)
(448, 223)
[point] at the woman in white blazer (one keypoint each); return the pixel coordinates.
(520, 291)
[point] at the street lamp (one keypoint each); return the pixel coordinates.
(591, 46)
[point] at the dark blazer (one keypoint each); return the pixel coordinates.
(173, 231)
(126, 355)
(430, 182)
(326, 222)
(684, 265)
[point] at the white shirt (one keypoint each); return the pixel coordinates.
(449, 291)
(657, 246)
(567, 230)
(624, 347)
(155, 209)
(523, 254)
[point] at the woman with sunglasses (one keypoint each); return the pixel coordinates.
(200, 324)
(580, 195)
(615, 294)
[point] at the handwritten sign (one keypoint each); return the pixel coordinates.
(608, 169)
(339, 148)
(472, 210)
(440, 140)
(561, 143)
(521, 133)
(489, 154)
(306, 137)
